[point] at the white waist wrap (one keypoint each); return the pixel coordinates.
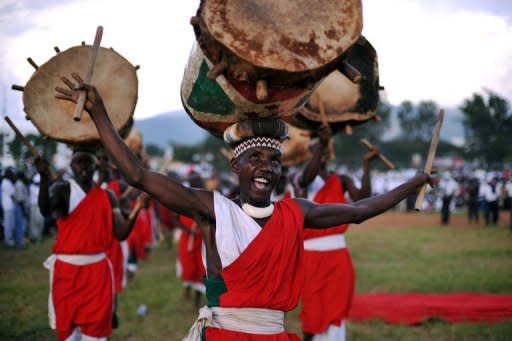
(49, 264)
(245, 320)
(326, 243)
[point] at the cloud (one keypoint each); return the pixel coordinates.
(432, 53)
(155, 36)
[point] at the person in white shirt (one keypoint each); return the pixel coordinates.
(449, 189)
(491, 192)
(8, 205)
(20, 201)
(36, 220)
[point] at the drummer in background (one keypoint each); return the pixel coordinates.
(118, 253)
(330, 277)
(253, 247)
(88, 219)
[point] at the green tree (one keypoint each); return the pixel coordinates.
(487, 126)
(417, 122)
(154, 150)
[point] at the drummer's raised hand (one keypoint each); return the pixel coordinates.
(94, 102)
(42, 167)
(371, 154)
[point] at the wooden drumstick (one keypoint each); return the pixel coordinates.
(27, 143)
(23, 139)
(77, 115)
(430, 158)
(384, 159)
(323, 116)
(350, 72)
(136, 209)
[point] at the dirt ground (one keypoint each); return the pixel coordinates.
(419, 219)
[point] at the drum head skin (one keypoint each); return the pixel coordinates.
(288, 35)
(114, 77)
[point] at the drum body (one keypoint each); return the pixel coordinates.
(114, 77)
(216, 104)
(345, 102)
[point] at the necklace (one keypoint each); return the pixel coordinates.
(258, 212)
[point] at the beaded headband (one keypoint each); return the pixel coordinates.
(258, 141)
(257, 132)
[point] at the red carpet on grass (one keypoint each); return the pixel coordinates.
(415, 308)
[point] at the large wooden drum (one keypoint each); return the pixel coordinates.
(260, 58)
(114, 77)
(345, 102)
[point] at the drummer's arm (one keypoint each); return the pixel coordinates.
(329, 215)
(122, 227)
(366, 188)
(180, 199)
(45, 202)
(313, 166)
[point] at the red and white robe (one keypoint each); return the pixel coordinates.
(81, 276)
(329, 272)
(189, 265)
(117, 253)
(261, 277)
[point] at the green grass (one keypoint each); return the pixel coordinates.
(424, 259)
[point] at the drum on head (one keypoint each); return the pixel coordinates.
(114, 77)
(260, 58)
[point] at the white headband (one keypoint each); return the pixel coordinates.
(258, 141)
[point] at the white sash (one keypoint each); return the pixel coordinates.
(49, 264)
(245, 320)
(234, 230)
(76, 195)
(326, 243)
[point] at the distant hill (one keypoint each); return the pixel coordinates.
(174, 126)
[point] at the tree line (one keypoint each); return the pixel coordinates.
(486, 121)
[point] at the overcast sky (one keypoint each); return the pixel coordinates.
(443, 50)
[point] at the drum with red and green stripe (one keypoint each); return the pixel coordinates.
(216, 104)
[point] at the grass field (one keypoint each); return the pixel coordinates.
(395, 252)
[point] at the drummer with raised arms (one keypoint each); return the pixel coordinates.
(253, 247)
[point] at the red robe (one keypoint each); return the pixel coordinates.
(330, 278)
(268, 273)
(83, 295)
(137, 236)
(115, 253)
(189, 253)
